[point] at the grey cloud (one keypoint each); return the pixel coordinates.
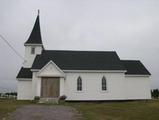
(129, 27)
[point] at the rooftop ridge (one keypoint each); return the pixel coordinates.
(75, 51)
(130, 60)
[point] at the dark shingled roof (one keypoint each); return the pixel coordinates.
(79, 60)
(135, 67)
(35, 36)
(85, 60)
(24, 73)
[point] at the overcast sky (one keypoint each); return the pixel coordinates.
(129, 27)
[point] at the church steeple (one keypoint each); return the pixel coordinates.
(35, 36)
(34, 45)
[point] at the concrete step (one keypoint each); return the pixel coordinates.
(49, 100)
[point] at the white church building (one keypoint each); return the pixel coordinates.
(79, 75)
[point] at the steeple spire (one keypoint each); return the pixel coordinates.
(35, 36)
(38, 11)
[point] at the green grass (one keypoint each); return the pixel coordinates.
(135, 110)
(7, 106)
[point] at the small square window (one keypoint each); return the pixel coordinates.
(32, 50)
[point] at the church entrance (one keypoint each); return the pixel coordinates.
(50, 87)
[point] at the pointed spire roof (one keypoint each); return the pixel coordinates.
(35, 36)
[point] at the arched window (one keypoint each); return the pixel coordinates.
(104, 84)
(79, 84)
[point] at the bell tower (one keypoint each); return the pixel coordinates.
(34, 45)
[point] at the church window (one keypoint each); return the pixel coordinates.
(33, 50)
(104, 84)
(79, 84)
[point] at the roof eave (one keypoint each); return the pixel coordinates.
(24, 79)
(137, 75)
(32, 44)
(109, 71)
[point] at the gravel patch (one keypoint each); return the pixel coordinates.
(41, 112)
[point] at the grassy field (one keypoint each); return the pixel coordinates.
(135, 110)
(7, 106)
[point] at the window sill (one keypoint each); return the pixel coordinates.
(104, 91)
(79, 91)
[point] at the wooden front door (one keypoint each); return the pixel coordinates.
(50, 87)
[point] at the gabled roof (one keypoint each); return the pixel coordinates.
(24, 73)
(35, 36)
(51, 70)
(79, 60)
(85, 60)
(135, 67)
